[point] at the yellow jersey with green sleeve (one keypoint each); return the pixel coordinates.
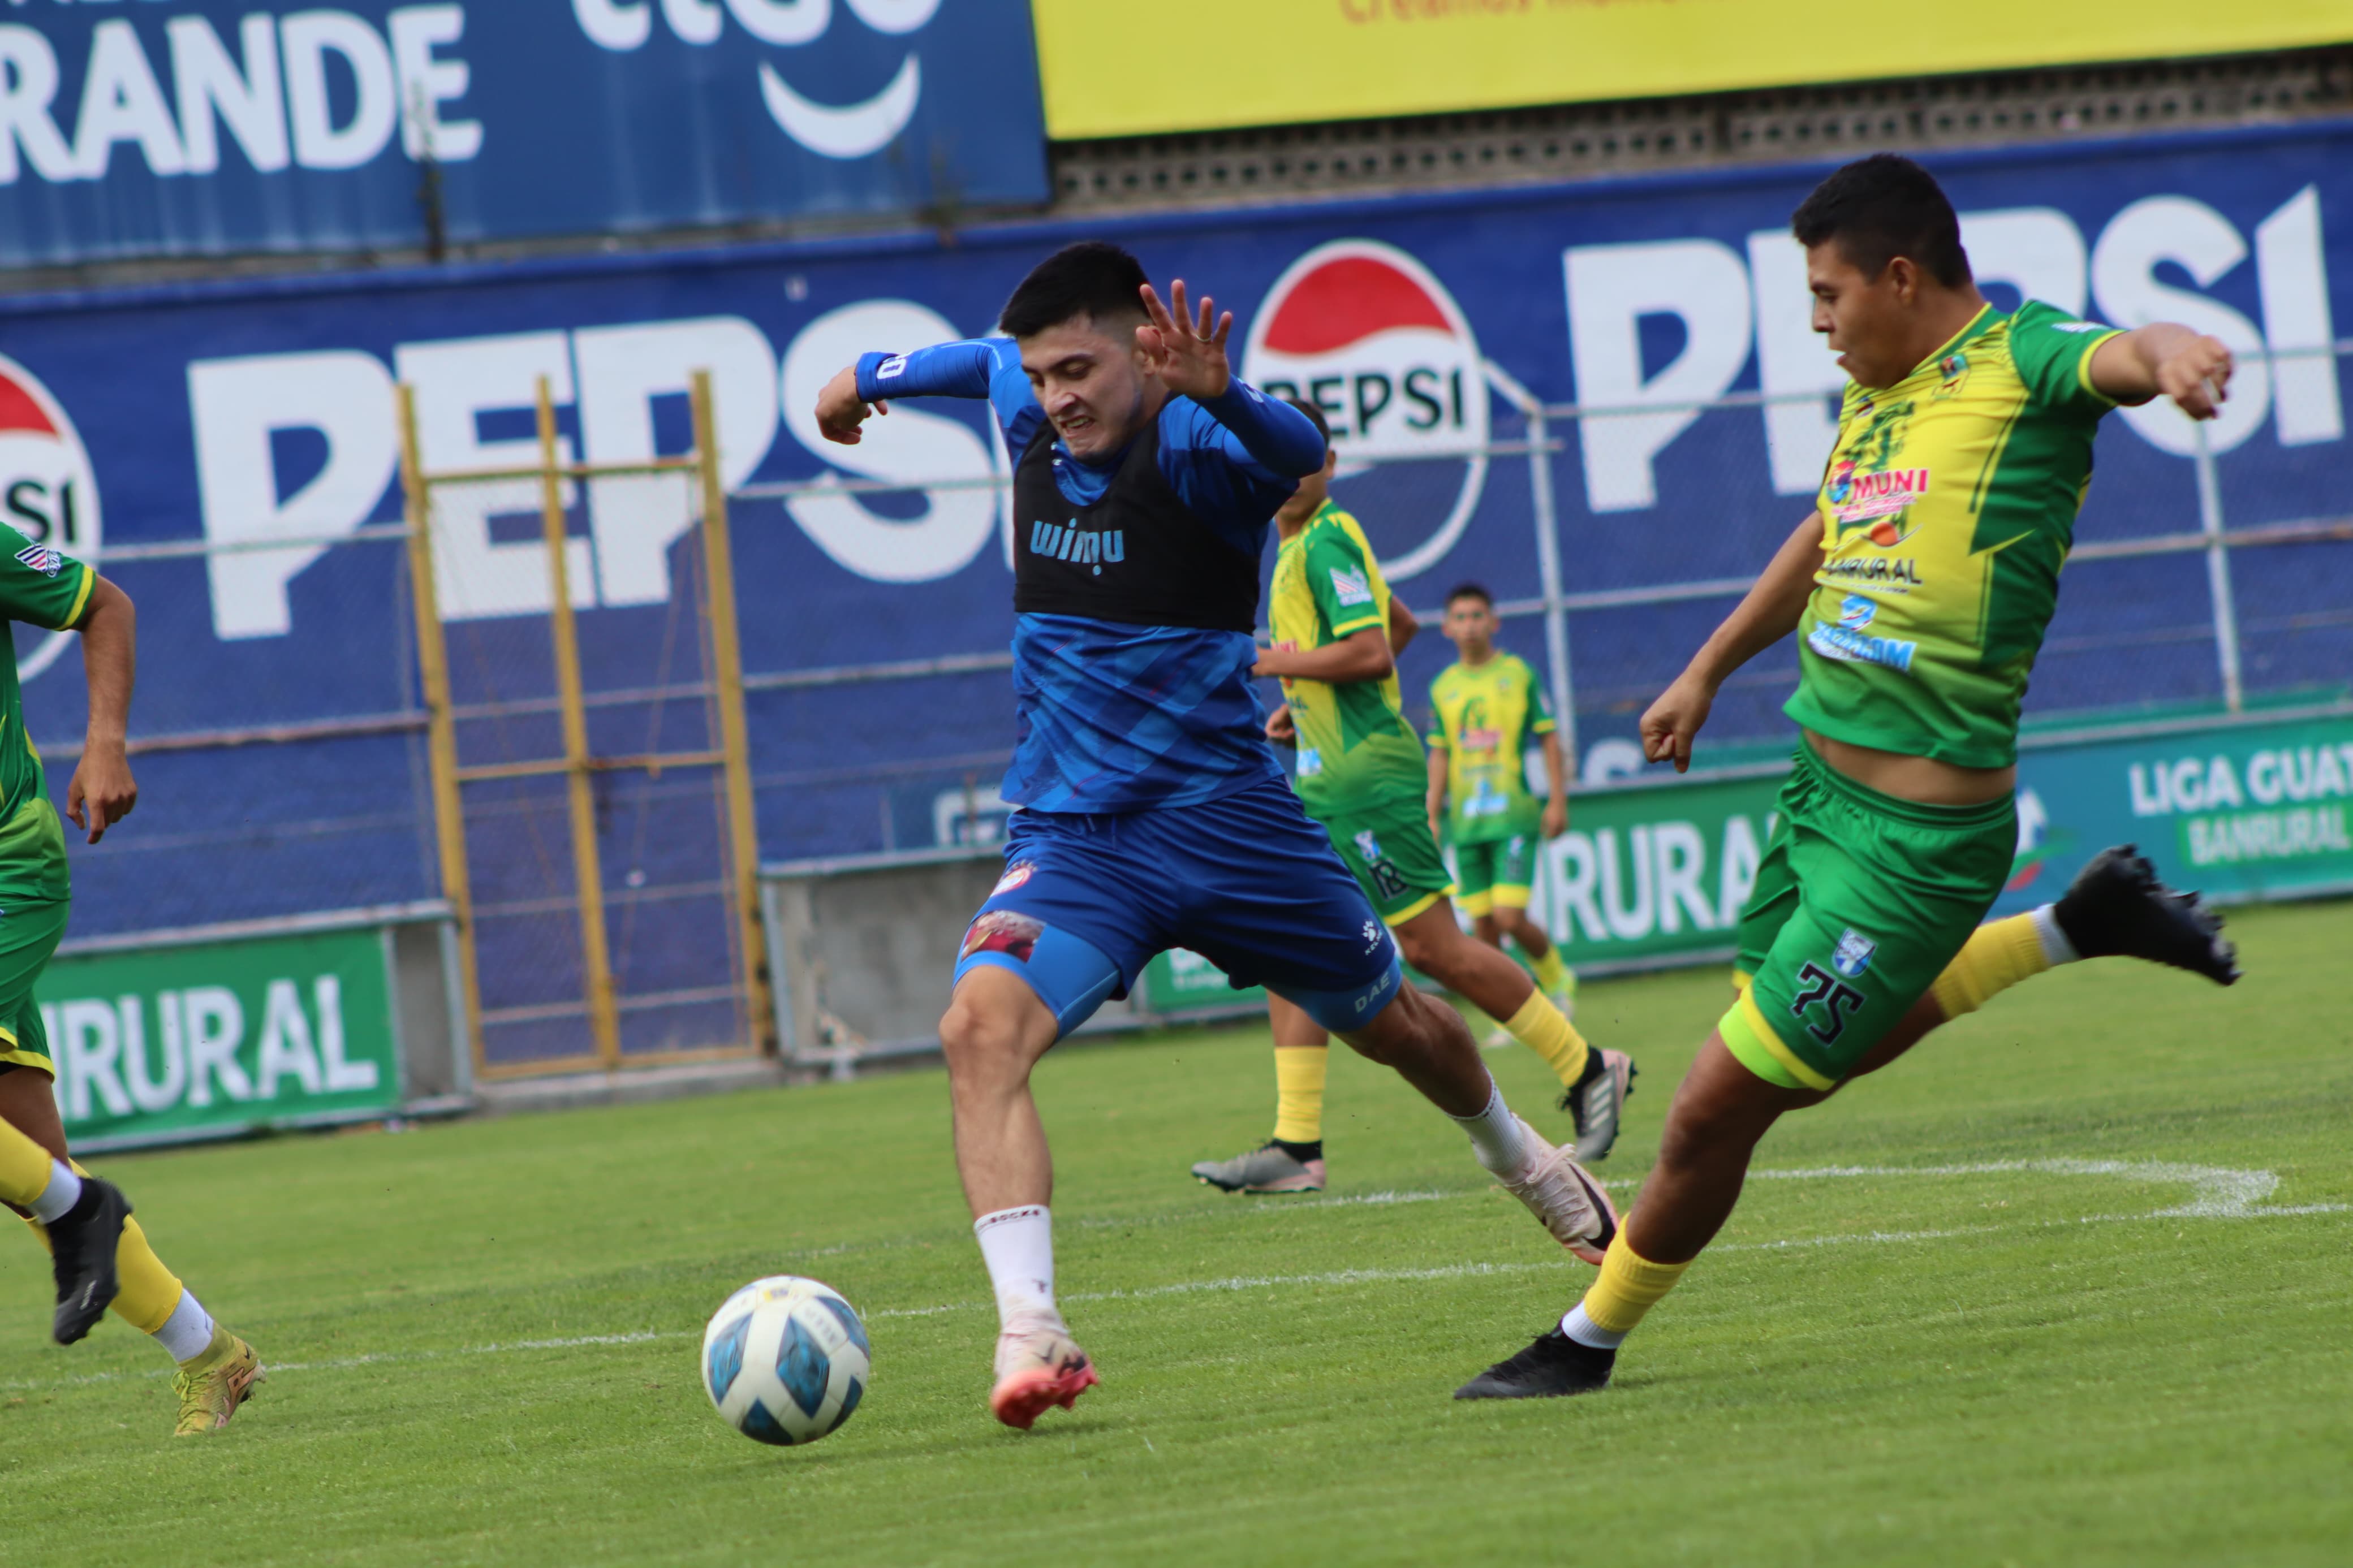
(1355, 747)
(1482, 716)
(1947, 510)
(41, 587)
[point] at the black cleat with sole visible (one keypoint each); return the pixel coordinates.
(1596, 1101)
(81, 1251)
(1553, 1366)
(2117, 908)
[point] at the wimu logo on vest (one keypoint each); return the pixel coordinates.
(1368, 335)
(1080, 546)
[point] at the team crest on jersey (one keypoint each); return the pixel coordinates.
(1368, 846)
(1854, 953)
(1955, 369)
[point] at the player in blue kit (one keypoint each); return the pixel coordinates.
(1150, 811)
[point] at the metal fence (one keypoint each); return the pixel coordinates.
(2199, 581)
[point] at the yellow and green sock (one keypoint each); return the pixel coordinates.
(1546, 1030)
(1299, 1072)
(1627, 1286)
(1998, 955)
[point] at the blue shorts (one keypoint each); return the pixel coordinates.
(1245, 880)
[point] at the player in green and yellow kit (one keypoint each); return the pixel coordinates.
(99, 1255)
(1485, 708)
(1361, 774)
(1919, 588)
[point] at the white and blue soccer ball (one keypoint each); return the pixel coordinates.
(785, 1359)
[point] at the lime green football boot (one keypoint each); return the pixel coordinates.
(212, 1385)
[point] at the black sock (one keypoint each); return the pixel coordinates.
(1303, 1152)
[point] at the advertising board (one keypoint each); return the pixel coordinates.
(220, 126)
(1356, 59)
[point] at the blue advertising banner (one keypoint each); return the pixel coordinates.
(259, 420)
(211, 127)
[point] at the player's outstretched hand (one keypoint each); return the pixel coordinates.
(2197, 377)
(1186, 355)
(840, 411)
(102, 791)
(1673, 720)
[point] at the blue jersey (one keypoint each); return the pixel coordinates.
(1115, 716)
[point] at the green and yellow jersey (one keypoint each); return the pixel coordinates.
(42, 588)
(1482, 717)
(1947, 511)
(1355, 747)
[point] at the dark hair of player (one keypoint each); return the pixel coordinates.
(1471, 591)
(1092, 278)
(1881, 207)
(1314, 418)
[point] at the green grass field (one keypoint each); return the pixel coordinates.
(1958, 1325)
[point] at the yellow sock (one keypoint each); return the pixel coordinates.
(150, 1291)
(1552, 974)
(1299, 1092)
(1542, 1027)
(1627, 1286)
(1996, 957)
(24, 1168)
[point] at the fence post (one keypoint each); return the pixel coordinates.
(1547, 520)
(2218, 568)
(735, 733)
(587, 873)
(440, 721)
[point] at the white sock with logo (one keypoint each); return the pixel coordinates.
(1495, 1135)
(188, 1334)
(63, 1191)
(2055, 945)
(1018, 1245)
(1586, 1331)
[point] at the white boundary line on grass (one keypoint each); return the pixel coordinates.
(2217, 1192)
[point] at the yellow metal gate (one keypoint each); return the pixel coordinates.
(592, 786)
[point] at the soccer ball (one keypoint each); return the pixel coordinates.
(785, 1359)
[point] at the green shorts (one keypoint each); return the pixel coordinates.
(1386, 845)
(1501, 871)
(29, 932)
(1861, 901)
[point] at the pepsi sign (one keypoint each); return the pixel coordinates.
(1366, 333)
(48, 492)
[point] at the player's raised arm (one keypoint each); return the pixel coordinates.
(1769, 612)
(967, 369)
(1184, 348)
(2164, 359)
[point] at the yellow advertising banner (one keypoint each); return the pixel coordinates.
(1121, 67)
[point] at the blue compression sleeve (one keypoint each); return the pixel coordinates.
(979, 367)
(1278, 437)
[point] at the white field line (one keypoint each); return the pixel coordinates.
(2217, 1192)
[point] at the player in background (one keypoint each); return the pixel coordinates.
(99, 1254)
(1338, 631)
(1151, 813)
(1484, 708)
(1920, 588)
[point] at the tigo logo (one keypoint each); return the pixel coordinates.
(1368, 334)
(48, 490)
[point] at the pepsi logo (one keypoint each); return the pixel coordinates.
(47, 493)
(1371, 337)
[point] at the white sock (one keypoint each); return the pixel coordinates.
(1018, 1245)
(63, 1191)
(188, 1334)
(1495, 1135)
(1586, 1331)
(2055, 945)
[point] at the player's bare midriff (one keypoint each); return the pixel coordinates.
(1926, 780)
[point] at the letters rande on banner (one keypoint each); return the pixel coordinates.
(229, 125)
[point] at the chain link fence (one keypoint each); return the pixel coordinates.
(2203, 579)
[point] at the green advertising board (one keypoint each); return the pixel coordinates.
(170, 1043)
(1180, 984)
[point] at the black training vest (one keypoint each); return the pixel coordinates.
(1138, 556)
